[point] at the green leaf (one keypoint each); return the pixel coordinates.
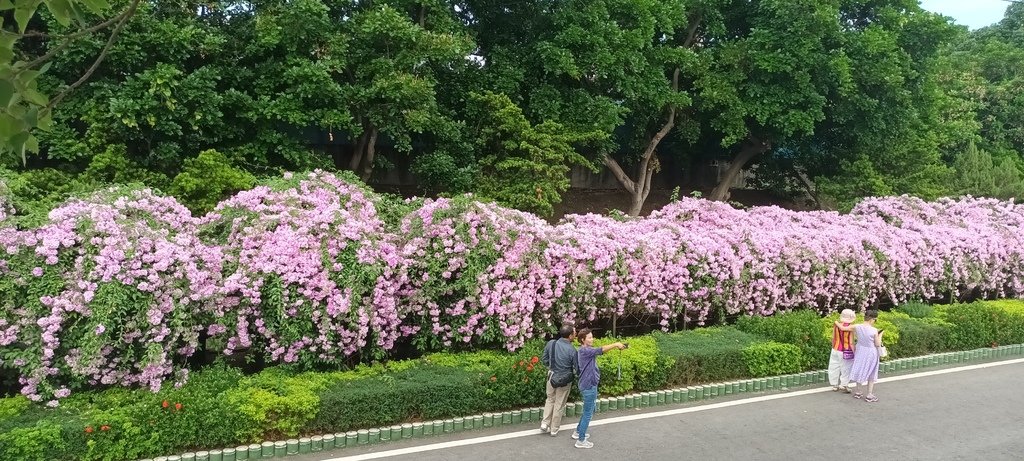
(6, 92)
(31, 117)
(61, 11)
(45, 121)
(35, 97)
(26, 78)
(9, 125)
(7, 47)
(96, 6)
(18, 144)
(23, 14)
(31, 145)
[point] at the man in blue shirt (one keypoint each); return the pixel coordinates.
(563, 365)
(590, 377)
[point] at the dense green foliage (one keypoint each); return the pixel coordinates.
(854, 99)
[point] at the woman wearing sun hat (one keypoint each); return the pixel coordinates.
(841, 359)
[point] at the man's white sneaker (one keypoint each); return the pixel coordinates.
(543, 428)
(576, 435)
(584, 444)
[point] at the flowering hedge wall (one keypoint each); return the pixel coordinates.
(309, 271)
(115, 289)
(123, 286)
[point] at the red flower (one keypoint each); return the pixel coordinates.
(529, 368)
(534, 359)
(88, 430)
(177, 407)
(104, 428)
(165, 404)
(521, 363)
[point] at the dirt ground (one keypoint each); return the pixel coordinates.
(602, 201)
(582, 201)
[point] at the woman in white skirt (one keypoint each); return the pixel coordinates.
(841, 359)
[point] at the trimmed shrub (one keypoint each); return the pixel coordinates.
(480, 361)
(800, 328)
(917, 310)
(275, 404)
(772, 358)
(920, 336)
(518, 381)
(623, 371)
(705, 355)
(42, 441)
(426, 392)
(983, 324)
(438, 392)
(359, 403)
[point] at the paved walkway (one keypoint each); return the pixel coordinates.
(970, 413)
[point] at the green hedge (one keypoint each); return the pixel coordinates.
(917, 310)
(801, 328)
(920, 336)
(984, 323)
(219, 406)
(772, 359)
(640, 367)
(421, 393)
(705, 355)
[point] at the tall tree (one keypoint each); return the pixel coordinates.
(989, 66)
(593, 65)
(391, 76)
(26, 52)
(731, 79)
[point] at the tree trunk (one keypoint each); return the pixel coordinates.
(371, 151)
(357, 152)
(641, 188)
(808, 186)
(752, 149)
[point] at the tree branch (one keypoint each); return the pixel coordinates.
(691, 30)
(754, 147)
(119, 19)
(623, 178)
(645, 161)
(808, 185)
(99, 59)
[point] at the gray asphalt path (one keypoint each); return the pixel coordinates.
(970, 415)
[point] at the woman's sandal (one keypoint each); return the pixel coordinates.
(845, 389)
(857, 395)
(870, 398)
(835, 389)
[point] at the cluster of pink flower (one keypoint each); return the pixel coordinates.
(112, 290)
(123, 287)
(312, 271)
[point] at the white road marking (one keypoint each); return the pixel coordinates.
(658, 414)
